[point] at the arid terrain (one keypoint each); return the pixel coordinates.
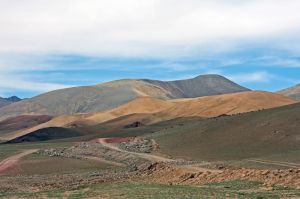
(224, 145)
(149, 99)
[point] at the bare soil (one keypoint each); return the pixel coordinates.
(13, 160)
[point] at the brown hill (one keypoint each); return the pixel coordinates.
(140, 105)
(211, 106)
(151, 110)
(226, 104)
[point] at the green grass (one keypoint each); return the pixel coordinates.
(58, 165)
(230, 189)
(54, 194)
(233, 138)
(237, 185)
(39, 164)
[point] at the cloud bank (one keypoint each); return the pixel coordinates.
(144, 27)
(182, 37)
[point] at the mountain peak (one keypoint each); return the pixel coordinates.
(13, 99)
(210, 75)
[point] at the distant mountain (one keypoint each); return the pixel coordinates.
(9, 100)
(13, 99)
(113, 94)
(293, 92)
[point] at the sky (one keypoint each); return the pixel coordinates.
(53, 44)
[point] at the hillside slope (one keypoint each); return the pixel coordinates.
(113, 94)
(4, 102)
(293, 92)
(249, 135)
(21, 123)
(148, 110)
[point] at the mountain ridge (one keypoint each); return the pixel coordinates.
(109, 95)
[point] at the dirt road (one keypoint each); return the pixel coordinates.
(276, 163)
(154, 158)
(141, 155)
(13, 160)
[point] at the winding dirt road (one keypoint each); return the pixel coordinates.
(141, 155)
(154, 158)
(13, 160)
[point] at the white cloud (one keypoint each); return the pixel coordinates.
(286, 62)
(256, 77)
(13, 82)
(143, 27)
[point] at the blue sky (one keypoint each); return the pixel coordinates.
(60, 43)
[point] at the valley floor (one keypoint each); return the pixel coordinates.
(134, 169)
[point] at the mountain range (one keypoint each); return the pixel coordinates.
(113, 94)
(131, 102)
(148, 110)
(8, 101)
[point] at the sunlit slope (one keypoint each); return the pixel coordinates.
(226, 104)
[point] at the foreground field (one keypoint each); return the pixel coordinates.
(130, 190)
(122, 170)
